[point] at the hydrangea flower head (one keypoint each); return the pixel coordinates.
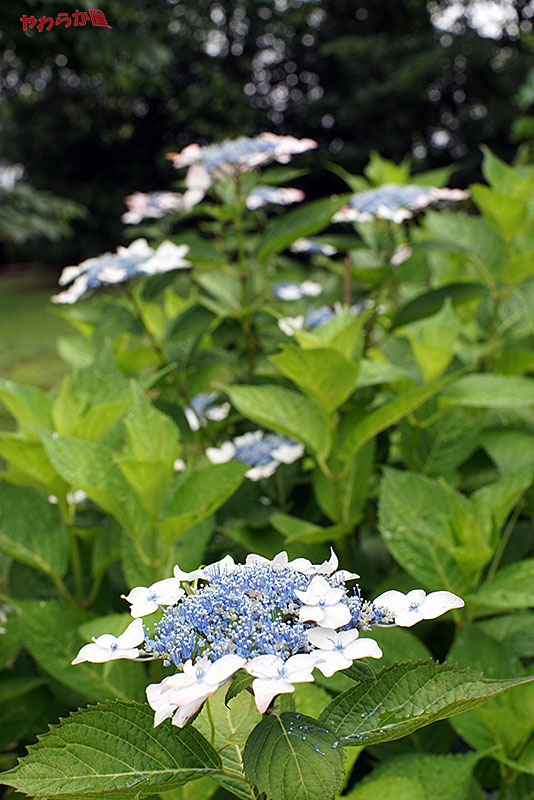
(154, 205)
(202, 409)
(395, 202)
(263, 452)
(313, 247)
(287, 290)
(231, 157)
(10, 174)
(263, 195)
(277, 619)
(110, 268)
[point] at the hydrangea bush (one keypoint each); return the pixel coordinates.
(252, 388)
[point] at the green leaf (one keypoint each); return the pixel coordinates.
(506, 720)
(342, 333)
(433, 177)
(15, 687)
(502, 176)
(406, 697)
(515, 631)
(399, 644)
(380, 170)
(192, 321)
(509, 449)
(32, 530)
(224, 288)
(373, 372)
(493, 503)
(193, 496)
(26, 403)
(482, 247)
(89, 466)
(432, 340)
(429, 303)
(28, 458)
(294, 529)
(309, 698)
(356, 434)
(388, 788)
(232, 724)
(112, 750)
(344, 500)
(151, 447)
(90, 400)
(511, 587)
(432, 777)
(507, 214)
(491, 391)
(306, 221)
(415, 520)
(439, 446)
(292, 757)
(323, 374)
(284, 411)
(360, 671)
(241, 681)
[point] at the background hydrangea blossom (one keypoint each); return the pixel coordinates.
(264, 452)
(10, 174)
(287, 290)
(313, 247)
(395, 202)
(153, 205)
(282, 196)
(232, 156)
(277, 619)
(202, 409)
(110, 268)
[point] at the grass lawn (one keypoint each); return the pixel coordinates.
(28, 332)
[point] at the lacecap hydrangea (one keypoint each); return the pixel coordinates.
(278, 620)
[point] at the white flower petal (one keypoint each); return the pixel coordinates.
(264, 666)
(311, 614)
(288, 453)
(187, 576)
(392, 600)
(222, 454)
(408, 617)
(437, 603)
(266, 690)
(186, 712)
(93, 653)
(263, 471)
(132, 636)
(363, 648)
(143, 608)
(248, 438)
(336, 616)
(222, 669)
(331, 662)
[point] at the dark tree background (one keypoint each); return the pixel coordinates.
(91, 112)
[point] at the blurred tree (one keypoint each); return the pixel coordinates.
(90, 112)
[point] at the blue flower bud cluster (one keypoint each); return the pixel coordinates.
(248, 612)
